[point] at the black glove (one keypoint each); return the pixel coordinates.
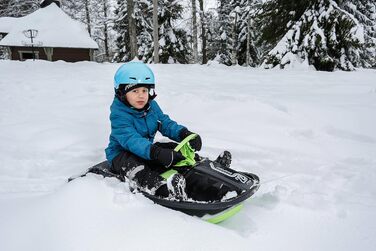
(195, 143)
(166, 157)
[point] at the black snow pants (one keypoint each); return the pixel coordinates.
(145, 173)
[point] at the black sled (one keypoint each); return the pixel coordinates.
(214, 193)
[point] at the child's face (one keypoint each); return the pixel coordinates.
(138, 97)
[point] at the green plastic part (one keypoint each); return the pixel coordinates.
(168, 173)
(225, 215)
(185, 141)
(187, 151)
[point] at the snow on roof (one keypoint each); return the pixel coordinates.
(6, 24)
(55, 29)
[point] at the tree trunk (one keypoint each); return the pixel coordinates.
(132, 29)
(194, 31)
(248, 56)
(87, 12)
(234, 37)
(203, 32)
(106, 50)
(155, 31)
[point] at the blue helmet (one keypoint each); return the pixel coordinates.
(135, 73)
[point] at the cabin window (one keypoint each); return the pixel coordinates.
(25, 55)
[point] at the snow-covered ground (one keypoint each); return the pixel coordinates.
(309, 135)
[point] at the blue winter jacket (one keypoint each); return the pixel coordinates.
(134, 131)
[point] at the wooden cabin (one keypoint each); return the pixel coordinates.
(48, 34)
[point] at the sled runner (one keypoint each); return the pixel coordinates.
(215, 193)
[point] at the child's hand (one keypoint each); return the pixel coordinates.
(195, 143)
(166, 157)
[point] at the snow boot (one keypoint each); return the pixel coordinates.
(224, 159)
(176, 186)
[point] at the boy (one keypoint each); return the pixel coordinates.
(135, 119)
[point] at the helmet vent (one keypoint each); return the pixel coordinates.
(133, 78)
(147, 78)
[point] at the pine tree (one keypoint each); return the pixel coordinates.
(325, 35)
(97, 16)
(173, 40)
(175, 48)
(102, 29)
(365, 12)
(245, 34)
(194, 31)
(155, 32)
(81, 10)
(276, 16)
(17, 8)
(143, 26)
(203, 35)
(4, 7)
(274, 19)
(121, 27)
(212, 35)
(4, 53)
(231, 35)
(224, 42)
(132, 29)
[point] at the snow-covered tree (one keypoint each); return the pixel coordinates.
(17, 8)
(81, 10)
(143, 25)
(4, 7)
(155, 32)
(212, 34)
(365, 12)
(244, 34)
(273, 21)
(4, 53)
(132, 29)
(203, 20)
(231, 37)
(102, 31)
(194, 31)
(325, 35)
(97, 15)
(275, 17)
(173, 45)
(220, 31)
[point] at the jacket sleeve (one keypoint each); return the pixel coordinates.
(168, 128)
(127, 136)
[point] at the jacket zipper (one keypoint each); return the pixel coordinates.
(147, 127)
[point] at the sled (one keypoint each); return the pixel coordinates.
(208, 186)
(215, 193)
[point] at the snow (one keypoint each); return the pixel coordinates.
(6, 24)
(55, 29)
(317, 30)
(292, 61)
(309, 135)
(358, 32)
